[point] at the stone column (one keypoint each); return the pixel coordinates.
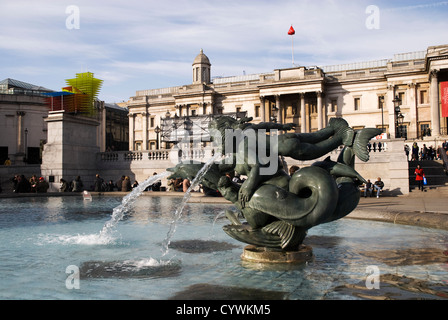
(389, 103)
(20, 149)
(303, 113)
(145, 130)
(101, 135)
(131, 131)
(320, 117)
(412, 116)
(279, 109)
(434, 101)
(263, 109)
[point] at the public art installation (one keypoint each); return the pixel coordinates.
(279, 209)
(78, 96)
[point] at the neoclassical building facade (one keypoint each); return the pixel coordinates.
(366, 94)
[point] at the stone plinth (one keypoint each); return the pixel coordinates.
(71, 149)
(253, 253)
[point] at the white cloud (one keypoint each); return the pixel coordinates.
(151, 44)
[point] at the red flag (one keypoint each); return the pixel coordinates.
(291, 31)
(444, 98)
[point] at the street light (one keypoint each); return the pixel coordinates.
(188, 124)
(157, 131)
(398, 116)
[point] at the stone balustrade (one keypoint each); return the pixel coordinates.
(389, 163)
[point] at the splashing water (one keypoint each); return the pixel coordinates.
(218, 216)
(187, 196)
(119, 211)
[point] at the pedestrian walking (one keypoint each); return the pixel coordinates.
(419, 177)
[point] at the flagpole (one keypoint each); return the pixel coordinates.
(292, 39)
(292, 32)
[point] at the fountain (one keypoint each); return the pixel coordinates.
(293, 233)
(279, 209)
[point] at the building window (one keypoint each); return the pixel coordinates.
(402, 96)
(152, 145)
(423, 97)
(403, 130)
(295, 110)
(257, 111)
(425, 130)
(151, 122)
(357, 104)
(193, 112)
(334, 105)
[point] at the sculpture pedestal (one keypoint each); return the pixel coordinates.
(266, 255)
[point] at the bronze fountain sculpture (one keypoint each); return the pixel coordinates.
(278, 208)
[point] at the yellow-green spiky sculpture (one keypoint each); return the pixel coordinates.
(88, 86)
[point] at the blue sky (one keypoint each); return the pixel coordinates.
(136, 45)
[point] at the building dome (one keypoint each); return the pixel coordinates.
(201, 58)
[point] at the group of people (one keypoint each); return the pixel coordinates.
(370, 188)
(424, 153)
(76, 185)
(123, 184)
(179, 185)
(33, 185)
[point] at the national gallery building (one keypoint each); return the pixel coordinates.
(406, 96)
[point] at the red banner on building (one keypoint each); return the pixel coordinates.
(444, 98)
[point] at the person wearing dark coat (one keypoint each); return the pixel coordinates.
(98, 184)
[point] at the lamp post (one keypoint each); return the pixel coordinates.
(188, 126)
(157, 131)
(398, 115)
(400, 124)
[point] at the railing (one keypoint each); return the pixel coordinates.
(155, 155)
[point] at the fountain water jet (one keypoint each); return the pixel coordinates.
(178, 214)
(119, 211)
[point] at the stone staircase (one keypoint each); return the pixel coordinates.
(435, 174)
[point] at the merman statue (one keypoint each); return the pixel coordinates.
(279, 209)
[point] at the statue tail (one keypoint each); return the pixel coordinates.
(362, 138)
